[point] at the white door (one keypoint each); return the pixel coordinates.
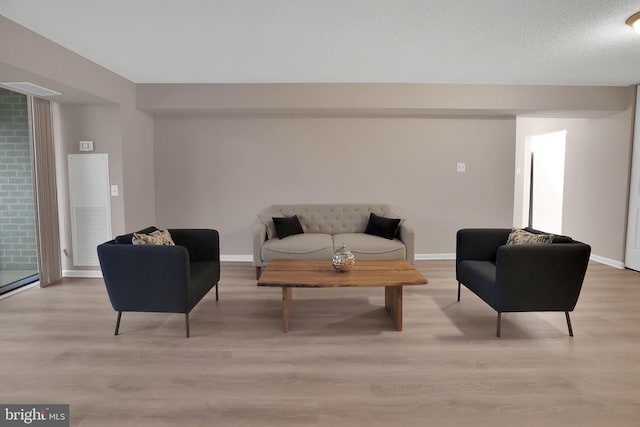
(90, 206)
(632, 256)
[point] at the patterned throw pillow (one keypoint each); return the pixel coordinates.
(159, 237)
(522, 237)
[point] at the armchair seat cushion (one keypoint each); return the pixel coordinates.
(299, 246)
(203, 274)
(480, 278)
(367, 246)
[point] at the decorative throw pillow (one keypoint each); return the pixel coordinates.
(522, 237)
(287, 226)
(383, 227)
(128, 238)
(158, 237)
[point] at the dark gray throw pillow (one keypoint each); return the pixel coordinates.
(383, 227)
(287, 226)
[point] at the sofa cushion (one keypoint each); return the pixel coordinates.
(287, 226)
(299, 246)
(366, 246)
(383, 227)
(522, 237)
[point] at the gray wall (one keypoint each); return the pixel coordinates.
(17, 216)
(220, 172)
(102, 125)
(596, 187)
(220, 153)
(86, 89)
(95, 104)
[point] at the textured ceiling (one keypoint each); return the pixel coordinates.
(564, 42)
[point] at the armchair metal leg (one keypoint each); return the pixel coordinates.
(216, 291)
(499, 321)
(258, 272)
(458, 291)
(569, 323)
(186, 317)
(118, 323)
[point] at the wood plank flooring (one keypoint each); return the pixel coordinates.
(340, 364)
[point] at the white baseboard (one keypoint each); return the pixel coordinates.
(434, 257)
(85, 274)
(236, 258)
(607, 261)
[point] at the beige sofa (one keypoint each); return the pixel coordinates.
(326, 227)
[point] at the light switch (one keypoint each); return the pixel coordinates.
(462, 167)
(114, 190)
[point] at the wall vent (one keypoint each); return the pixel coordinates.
(90, 206)
(30, 89)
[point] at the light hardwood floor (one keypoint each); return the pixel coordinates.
(341, 364)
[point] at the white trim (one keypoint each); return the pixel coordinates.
(86, 274)
(20, 289)
(236, 258)
(434, 257)
(607, 261)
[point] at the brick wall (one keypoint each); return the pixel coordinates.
(17, 217)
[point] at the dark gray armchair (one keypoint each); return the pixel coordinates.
(524, 277)
(170, 279)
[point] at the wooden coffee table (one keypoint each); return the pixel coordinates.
(392, 274)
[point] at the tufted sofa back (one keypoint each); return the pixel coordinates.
(326, 218)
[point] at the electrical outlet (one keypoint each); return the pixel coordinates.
(114, 190)
(462, 168)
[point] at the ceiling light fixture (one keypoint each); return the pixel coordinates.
(634, 22)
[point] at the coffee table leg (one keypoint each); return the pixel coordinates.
(286, 308)
(388, 298)
(393, 304)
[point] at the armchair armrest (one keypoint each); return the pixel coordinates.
(480, 244)
(542, 277)
(408, 237)
(203, 244)
(259, 236)
(146, 277)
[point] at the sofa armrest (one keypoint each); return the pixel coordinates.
(480, 244)
(541, 277)
(259, 235)
(203, 244)
(146, 277)
(408, 237)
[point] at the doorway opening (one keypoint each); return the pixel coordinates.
(544, 188)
